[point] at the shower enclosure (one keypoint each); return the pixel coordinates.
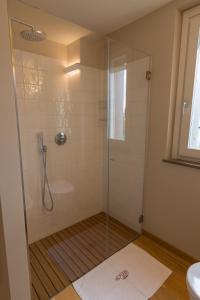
(82, 128)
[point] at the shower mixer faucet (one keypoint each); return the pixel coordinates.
(60, 138)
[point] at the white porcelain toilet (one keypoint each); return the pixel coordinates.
(193, 281)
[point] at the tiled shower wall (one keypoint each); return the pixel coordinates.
(50, 101)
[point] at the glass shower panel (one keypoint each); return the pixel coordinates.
(64, 183)
(127, 122)
(69, 239)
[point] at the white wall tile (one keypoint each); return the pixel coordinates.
(49, 102)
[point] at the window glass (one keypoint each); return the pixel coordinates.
(194, 135)
(118, 77)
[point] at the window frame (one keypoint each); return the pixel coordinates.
(190, 20)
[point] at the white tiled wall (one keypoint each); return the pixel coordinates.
(49, 102)
(127, 157)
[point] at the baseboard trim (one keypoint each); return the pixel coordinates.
(169, 247)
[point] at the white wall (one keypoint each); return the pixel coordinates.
(172, 192)
(10, 177)
(50, 101)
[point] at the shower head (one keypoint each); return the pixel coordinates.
(30, 34)
(33, 35)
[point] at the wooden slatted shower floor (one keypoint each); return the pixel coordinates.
(65, 256)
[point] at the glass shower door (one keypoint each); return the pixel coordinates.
(127, 127)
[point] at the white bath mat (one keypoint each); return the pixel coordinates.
(130, 274)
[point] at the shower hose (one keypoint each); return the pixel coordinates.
(46, 182)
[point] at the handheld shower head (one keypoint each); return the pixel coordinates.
(42, 147)
(45, 181)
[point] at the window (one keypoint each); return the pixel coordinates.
(194, 134)
(186, 143)
(117, 109)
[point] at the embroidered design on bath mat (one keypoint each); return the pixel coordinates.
(122, 275)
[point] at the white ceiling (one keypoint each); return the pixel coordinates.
(102, 16)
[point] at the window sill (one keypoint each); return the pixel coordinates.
(183, 163)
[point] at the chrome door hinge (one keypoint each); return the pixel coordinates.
(148, 75)
(141, 219)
